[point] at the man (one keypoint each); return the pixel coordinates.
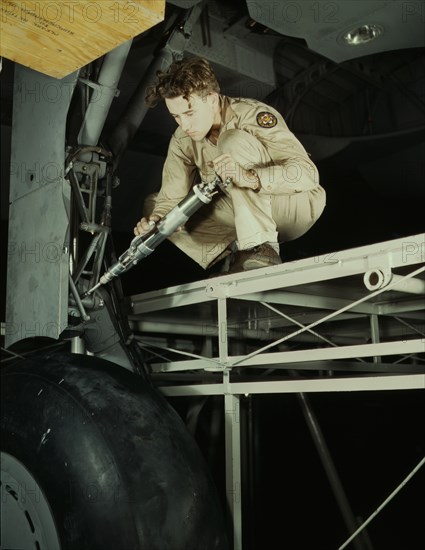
(275, 194)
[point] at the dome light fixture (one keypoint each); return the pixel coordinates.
(362, 35)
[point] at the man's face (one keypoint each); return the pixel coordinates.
(195, 116)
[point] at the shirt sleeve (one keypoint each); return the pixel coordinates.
(178, 177)
(290, 170)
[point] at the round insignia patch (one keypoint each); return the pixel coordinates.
(266, 119)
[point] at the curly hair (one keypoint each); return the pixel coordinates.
(183, 78)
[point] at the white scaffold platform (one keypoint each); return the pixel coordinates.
(351, 320)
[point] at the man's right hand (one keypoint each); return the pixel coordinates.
(145, 224)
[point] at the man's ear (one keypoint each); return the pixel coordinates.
(214, 98)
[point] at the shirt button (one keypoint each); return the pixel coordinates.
(269, 188)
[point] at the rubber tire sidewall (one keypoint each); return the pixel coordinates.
(113, 458)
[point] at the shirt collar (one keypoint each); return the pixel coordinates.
(227, 113)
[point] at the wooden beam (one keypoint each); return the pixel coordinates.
(59, 37)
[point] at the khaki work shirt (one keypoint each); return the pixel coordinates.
(289, 170)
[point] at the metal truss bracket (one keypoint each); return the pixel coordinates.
(99, 88)
(217, 290)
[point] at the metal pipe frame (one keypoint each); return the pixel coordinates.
(315, 293)
(105, 89)
(400, 253)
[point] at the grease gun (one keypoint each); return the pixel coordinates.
(143, 245)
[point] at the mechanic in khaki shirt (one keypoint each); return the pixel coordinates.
(275, 194)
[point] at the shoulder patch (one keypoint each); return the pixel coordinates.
(265, 119)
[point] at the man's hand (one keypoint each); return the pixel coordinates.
(146, 224)
(226, 167)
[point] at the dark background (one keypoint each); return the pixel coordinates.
(362, 120)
